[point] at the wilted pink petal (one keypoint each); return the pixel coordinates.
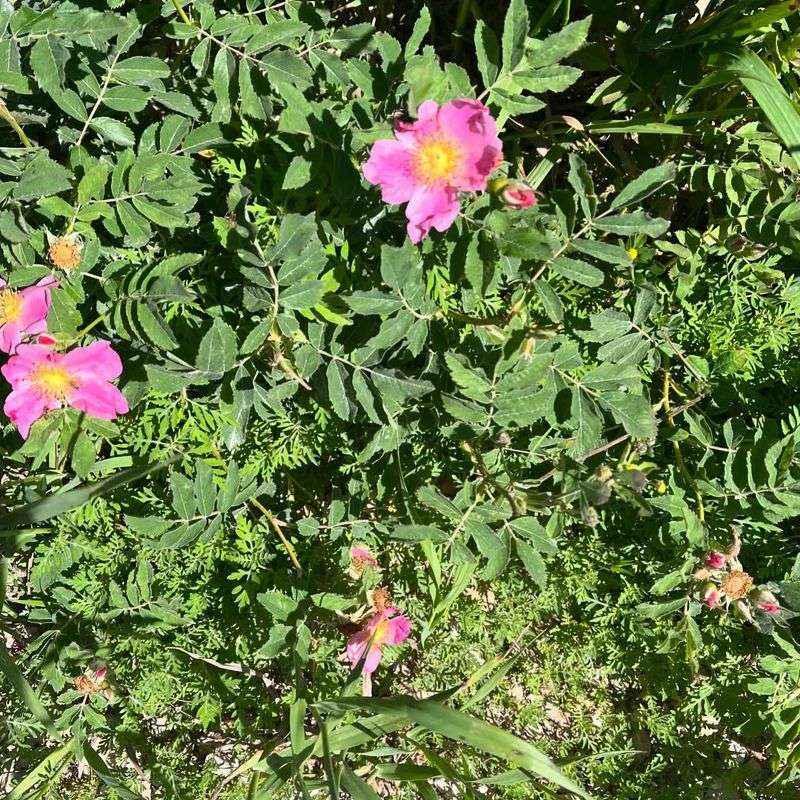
(42, 379)
(360, 558)
(387, 627)
(447, 150)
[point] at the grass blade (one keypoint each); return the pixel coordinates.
(59, 503)
(25, 691)
(461, 727)
(745, 66)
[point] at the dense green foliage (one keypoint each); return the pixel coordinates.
(540, 421)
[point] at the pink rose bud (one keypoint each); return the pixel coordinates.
(518, 195)
(710, 595)
(768, 603)
(715, 560)
(100, 673)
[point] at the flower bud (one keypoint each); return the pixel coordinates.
(715, 560)
(710, 595)
(767, 602)
(518, 195)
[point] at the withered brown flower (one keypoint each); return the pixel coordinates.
(737, 584)
(381, 599)
(65, 252)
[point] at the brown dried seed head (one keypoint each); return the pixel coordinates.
(381, 599)
(737, 584)
(65, 253)
(85, 685)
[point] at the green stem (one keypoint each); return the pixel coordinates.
(11, 120)
(684, 470)
(81, 333)
(277, 528)
(181, 13)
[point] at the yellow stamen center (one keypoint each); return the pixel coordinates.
(53, 381)
(10, 306)
(437, 160)
(381, 632)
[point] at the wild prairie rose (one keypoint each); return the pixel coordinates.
(387, 627)
(93, 681)
(715, 560)
(42, 380)
(449, 149)
(23, 312)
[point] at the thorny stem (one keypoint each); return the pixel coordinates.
(684, 470)
(15, 126)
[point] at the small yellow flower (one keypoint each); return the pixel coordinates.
(661, 487)
(633, 253)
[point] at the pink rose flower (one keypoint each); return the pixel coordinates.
(42, 379)
(715, 560)
(449, 149)
(518, 195)
(23, 312)
(386, 627)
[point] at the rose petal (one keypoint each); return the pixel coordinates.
(99, 399)
(431, 207)
(95, 361)
(24, 406)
